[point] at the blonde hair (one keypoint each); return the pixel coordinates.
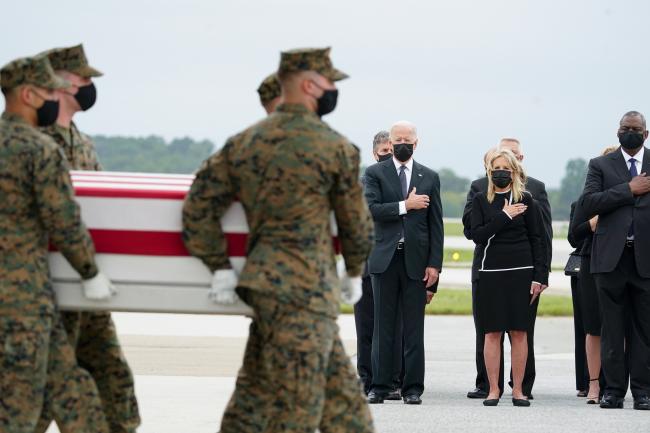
(608, 150)
(486, 157)
(518, 185)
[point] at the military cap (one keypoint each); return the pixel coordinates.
(310, 59)
(72, 59)
(31, 70)
(269, 89)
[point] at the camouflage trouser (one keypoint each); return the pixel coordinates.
(295, 377)
(38, 364)
(98, 351)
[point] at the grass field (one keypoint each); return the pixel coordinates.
(453, 229)
(459, 302)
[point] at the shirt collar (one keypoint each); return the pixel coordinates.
(12, 117)
(638, 157)
(294, 108)
(409, 164)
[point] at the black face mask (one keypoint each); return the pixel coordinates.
(403, 151)
(327, 102)
(386, 157)
(86, 96)
(47, 114)
(631, 140)
(501, 178)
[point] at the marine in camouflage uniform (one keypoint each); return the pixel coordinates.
(38, 207)
(289, 171)
(270, 93)
(91, 333)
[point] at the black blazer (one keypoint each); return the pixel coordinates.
(580, 234)
(608, 195)
(538, 191)
(423, 228)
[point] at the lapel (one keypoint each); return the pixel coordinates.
(620, 165)
(416, 176)
(645, 166)
(391, 175)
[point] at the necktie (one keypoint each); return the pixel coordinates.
(402, 181)
(633, 173)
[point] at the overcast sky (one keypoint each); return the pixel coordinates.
(557, 74)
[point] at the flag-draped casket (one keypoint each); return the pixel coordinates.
(135, 222)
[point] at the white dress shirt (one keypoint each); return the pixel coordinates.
(407, 172)
(638, 161)
(638, 157)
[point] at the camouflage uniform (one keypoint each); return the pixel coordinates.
(289, 171)
(269, 89)
(92, 333)
(38, 206)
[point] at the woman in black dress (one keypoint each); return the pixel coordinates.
(512, 273)
(581, 230)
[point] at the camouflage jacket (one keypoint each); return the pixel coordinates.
(77, 147)
(289, 171)
(37, 206)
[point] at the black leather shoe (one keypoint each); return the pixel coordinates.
(412, 399)
(395, 394)
(520, 402)
(610, 401)
(477, 393)
(642, 403)
(374, 398)
(491, 402)
(582, 393)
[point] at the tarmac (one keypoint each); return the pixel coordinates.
(185, 368)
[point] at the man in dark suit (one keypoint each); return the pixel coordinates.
(616, 189)
(404, 200)
(364, 314)
(538, 191)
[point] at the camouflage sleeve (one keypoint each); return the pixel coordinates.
(209, 198)
(91, 159)
(355, 226)
(59, 211)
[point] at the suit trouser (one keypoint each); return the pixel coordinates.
(392, 289)
(93, 336)
(580, 352)
(481, 372)
(295, 376)
(364, 321)
(622, 293)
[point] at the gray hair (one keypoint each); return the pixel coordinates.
(380, 138)
(634, 114)
(406, 124)
(512, 140)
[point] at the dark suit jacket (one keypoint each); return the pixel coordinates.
(538, 191)
(607, 194)
(423, 229)
(580, 235)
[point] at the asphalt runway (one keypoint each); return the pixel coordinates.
(185, 368)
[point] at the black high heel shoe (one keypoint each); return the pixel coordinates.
(592, 400)
(491, 402)
(520, 402)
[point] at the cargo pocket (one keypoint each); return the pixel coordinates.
(20, 344)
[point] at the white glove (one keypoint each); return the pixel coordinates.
(350, 286)
(224, 282)
(351, 290)
(98, 288)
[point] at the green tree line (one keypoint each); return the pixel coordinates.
(184, 155)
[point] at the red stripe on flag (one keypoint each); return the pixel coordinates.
(81, 191)
(140, 243)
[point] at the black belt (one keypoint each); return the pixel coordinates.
(400, 246)
(629, 243)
